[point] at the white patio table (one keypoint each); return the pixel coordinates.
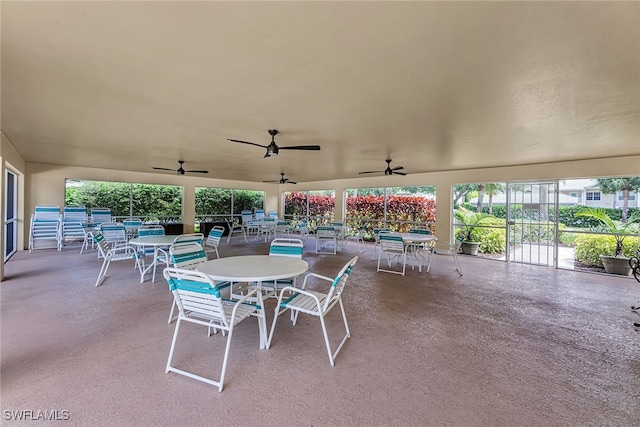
(156, 242)
(414, 240)
(254, 269)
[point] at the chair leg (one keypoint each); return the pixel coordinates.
(103, 271)
(173, 306)
(226, 358)
(457, 264)
(173, 346)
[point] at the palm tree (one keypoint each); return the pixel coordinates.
(470, 220)
(492, 189)
(619, 229)
(625, 184)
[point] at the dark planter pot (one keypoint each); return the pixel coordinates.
(470, 248)
(616, 265)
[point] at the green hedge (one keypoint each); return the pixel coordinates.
(565, 214)
(589, 247)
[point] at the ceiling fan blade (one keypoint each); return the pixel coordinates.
(397, 168)
(246, 142)
(301, 147)
(276, 180)
(371, 172)
(163, 169)
(198, 171)
(291, 182)
(398, 173)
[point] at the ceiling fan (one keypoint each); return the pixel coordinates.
(389, 170)
(272, 148)
(180, 170)
(282, 180)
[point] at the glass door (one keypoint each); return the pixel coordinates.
(10, 219)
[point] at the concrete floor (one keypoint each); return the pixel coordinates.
(504, 345)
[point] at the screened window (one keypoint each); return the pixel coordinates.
(150, 202)
(225, 202)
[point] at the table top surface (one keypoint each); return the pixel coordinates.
(152, 240)
(418, 237)
(249, 268)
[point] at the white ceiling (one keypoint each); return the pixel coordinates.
(434, 85)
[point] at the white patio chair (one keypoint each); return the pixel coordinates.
(449, 249)
(292, 248)
(303, 230)
(100, 215)
(282, 228)
(72, 219)
(393, 248)
(326, 240)
(199, 301)
(150, 251)
(358, 238)
(213, 240)
(114, 233)
(376, 234)
(187, 256)
(87, 229)
(190, 238)
(259, 214)
(416, 249)
(131, 226)
(123, 252)
(45, 228)
(317, 304)
(235, 228)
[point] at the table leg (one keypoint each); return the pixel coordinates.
(262, 323)
(152, 265)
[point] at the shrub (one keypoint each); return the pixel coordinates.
(589, 247)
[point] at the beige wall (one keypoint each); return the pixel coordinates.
(46, 183)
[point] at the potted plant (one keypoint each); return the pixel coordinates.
(616, 263)
(470, 221)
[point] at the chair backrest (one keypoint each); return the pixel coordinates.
(100, 215)
(189, 238)
(259, 214)
(246, 216)
(150, 230)
(113, 232)
(196, 294)
(420, 231)
(339, 282)
(376, 232)
(391, 242)
(47, 213)
(273, 214)
(336, 224)
(132, 224)
(303, 228)
(101, 243)
(286, 247)
(74, 214)
(325, 232)
(214, 236)
(187, 255)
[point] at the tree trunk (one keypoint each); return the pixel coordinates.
(480, 197)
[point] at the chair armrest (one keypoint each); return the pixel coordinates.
(122, 248)
(303, 292)
(242, 301)
(304, 283)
